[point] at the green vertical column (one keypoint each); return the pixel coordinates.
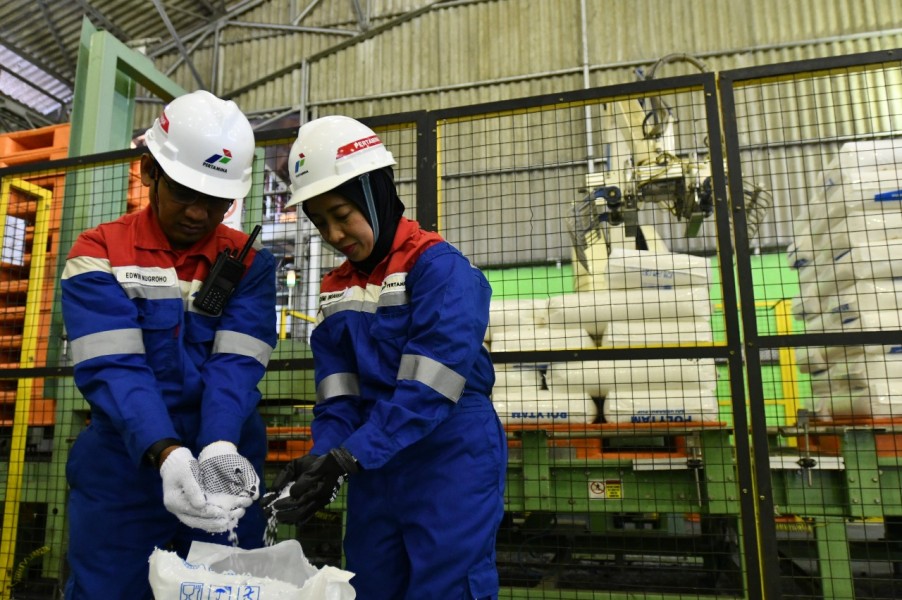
(834, 561)
(107, 76)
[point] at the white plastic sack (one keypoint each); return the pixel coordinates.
(278, 572)
(592, 311)
(628, 269)
(541, 407)
(513, 378)
(599, 377)
(818, 241)
(626, 334)
(877, 260)
(527, 338)
(870, 296)
(678, 405)
(516, 313)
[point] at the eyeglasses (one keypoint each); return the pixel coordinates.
(182, 194)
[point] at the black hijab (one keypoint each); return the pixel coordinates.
(375, 195)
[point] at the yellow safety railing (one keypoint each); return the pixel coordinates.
(283, 321)
(30, 339)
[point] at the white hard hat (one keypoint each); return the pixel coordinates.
(330, 151)
(204, 143)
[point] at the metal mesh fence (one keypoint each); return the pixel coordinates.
(824, 139)
(687, 416)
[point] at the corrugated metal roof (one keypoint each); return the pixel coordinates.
(452, 52)
(43, 37)
(31, 85)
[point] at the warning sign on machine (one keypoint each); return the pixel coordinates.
(609, 489)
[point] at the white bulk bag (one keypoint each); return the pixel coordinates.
(542, 407)
(675, 405)
(628, 269)
(593, 311)
(514, 313)
(278, 572)
(625, 334)
(598, 377)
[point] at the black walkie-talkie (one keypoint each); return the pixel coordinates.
(224, 275)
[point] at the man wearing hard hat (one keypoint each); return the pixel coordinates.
(175, 446)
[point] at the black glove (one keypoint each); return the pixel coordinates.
(287, 476)
(315, 488)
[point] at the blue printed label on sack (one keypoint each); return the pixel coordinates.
(661, 419)
(555, 416)
(190, 591)
(195, 591)
(892, 196)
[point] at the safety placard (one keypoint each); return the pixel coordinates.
(608, 489)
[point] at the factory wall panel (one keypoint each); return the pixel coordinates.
(627, 495)
(472, 51)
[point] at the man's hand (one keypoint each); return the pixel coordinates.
(224, 471)
(315, 488)
(184, 497)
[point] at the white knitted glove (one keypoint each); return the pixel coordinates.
(184, 497)
(224, 471)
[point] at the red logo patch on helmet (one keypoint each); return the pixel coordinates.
(363, 144)
(164, 122)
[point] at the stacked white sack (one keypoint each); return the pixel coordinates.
(693, 398)
(519, 396)
(840, 322)
(671, 405)
(853, 160)
(629, 269)
(841, 236)
(869, 154)
(542, 407)
(865, 298)
(652, 299)
(511, 379)
(528, 338)
(865, 261)
(514, 313)
(867, 384)
(656, 333)
(857, 208)
(847, 249)
(811, 359)
(599, 377)
(594, 310)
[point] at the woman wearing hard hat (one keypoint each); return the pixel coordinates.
(403, 382)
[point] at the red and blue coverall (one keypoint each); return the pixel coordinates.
(152, 366)
(403, 382)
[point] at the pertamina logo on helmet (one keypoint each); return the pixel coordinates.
(219, 159)
(363, 144)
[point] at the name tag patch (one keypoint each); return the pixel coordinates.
(146, 276)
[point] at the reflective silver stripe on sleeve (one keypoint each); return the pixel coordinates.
(393, 299)
(355, 305)
(233, 342)
(338, 384)
(393, 291)
(152, 293)
(106, 343)
(354, 298)
(432, 373)
(85, 264)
